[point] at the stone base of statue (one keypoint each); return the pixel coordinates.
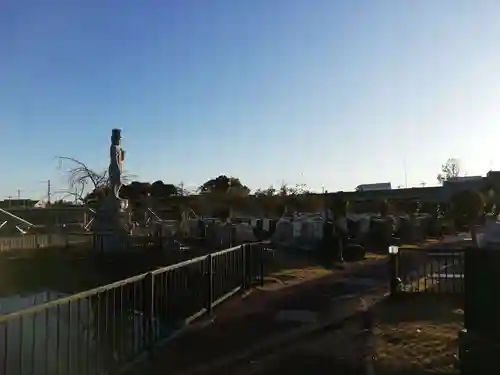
(112, 226)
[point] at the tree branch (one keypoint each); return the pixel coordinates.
(82, 179)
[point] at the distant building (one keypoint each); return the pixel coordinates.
(20, 203)
(40, 204)
(429, 194)
(372, 187)
(455, 184)
(461, 179)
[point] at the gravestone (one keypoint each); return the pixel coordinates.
(112, 224)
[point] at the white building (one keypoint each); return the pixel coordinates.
(377, 186)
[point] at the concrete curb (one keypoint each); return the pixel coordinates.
(282, 341)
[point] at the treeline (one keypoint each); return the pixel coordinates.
(218, 197)
(230, 193)
(222, 196)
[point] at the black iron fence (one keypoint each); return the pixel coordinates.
(429, 270)
(479, 341)
(105, 329)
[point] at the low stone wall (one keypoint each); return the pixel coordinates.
(38, 241)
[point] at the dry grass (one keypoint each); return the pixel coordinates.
(418, 335)
(292, 268)
(410, 246)
(376, 256)
(424, 244)
(437, 285)
(295, 267)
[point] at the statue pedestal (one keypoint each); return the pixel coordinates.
(112, 226)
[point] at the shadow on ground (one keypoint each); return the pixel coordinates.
(417, 334)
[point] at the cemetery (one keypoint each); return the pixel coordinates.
(110, 252)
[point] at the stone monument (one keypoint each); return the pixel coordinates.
(112, 225)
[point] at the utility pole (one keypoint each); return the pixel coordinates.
(406, 175)
(181, 188)
(49, 193)
(19, 198)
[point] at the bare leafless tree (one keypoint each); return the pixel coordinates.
(82, 179)
(450, 170)
(185, 190)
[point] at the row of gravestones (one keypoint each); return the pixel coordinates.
(374, 233)
(218, 234)
(384, 232)
(351, 243)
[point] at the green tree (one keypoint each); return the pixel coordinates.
(268, 200)
(491, 195)
(160, 190)
(224, 185)
(135, 191)
(224, 193)
(269, 192)
(466, 207)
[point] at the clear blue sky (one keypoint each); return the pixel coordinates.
(327, 93)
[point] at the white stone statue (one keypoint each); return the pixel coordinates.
(112, 224)
(117, 155)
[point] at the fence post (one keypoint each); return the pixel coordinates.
(261, 264)
(243, 266)
(393, 270)
(210, 282)
(249, 265)
(148, 309)
(463, 350)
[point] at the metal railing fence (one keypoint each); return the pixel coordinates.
(102, 330)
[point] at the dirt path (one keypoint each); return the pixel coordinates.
(256, 324)
(242, 325)
(336, 350)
